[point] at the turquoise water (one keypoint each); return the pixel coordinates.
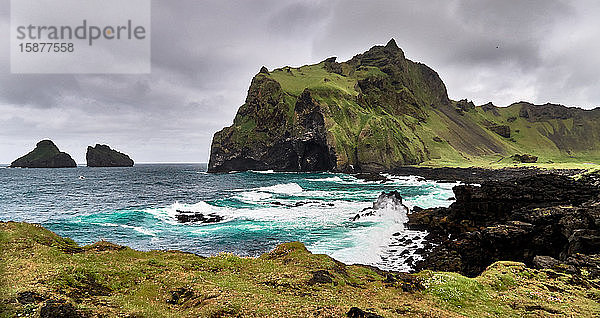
(137, 207)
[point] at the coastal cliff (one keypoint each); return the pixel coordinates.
(379, 111)
(45, 155)
(104, 156)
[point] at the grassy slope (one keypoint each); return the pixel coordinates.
(103, 279)
(352, 126)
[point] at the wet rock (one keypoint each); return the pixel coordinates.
(391, 199)
(515, 220)
(416, 209)
(371, 177)
(196, 217)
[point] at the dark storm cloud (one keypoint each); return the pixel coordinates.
(204, 54)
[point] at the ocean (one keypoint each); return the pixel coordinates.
(137, 207)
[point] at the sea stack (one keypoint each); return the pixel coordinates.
(104, 156)
(45, 155)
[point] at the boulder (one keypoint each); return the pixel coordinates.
(45, 155)
(543, 262)
(356, 312)
(197, 217)
(526, 158)
(104, 156)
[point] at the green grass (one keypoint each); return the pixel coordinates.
(107, 280)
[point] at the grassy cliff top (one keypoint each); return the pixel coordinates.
(42, 272)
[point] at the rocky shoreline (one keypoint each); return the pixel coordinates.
(546, 220)
(477, 174)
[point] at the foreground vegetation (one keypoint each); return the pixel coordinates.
(44, 274)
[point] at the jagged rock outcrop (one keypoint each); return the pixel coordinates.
(104, 156)
(542, 215)
(379, 111)
(502, 130)
(45, 155)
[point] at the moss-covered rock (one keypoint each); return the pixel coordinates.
(45, 155)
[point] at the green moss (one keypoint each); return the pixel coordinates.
(106, 280)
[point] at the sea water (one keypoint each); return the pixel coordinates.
(137, 207)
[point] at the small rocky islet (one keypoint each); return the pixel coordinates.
(45, 155)
(104, 156)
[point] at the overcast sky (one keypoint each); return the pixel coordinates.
(205, 53)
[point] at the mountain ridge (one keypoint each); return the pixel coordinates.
(378, 111)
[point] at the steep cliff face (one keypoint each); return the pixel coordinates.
(376, 112)
(104, 156)
(45, 155)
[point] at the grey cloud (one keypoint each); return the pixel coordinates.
(204, 54)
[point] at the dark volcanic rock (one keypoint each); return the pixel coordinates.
(502, 130)
(489, 107)
(58, 308)
(29, 297)
(535, 113)
(356, 312)
(386, 200)
(301, 148)
(516, 220)
(464, 105)
(526, 158)
(181, 295)
(104, 156)
(372, 176)
(477, 175)
(196, 217)
(320, 277)
(542, 261)
(45, 155)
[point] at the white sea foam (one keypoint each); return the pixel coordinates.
(107, 224)
(263, 171)
(330, 179)
(284, 188)
(253, 196)
(169, 214)
(324, 218)
(139, 229)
